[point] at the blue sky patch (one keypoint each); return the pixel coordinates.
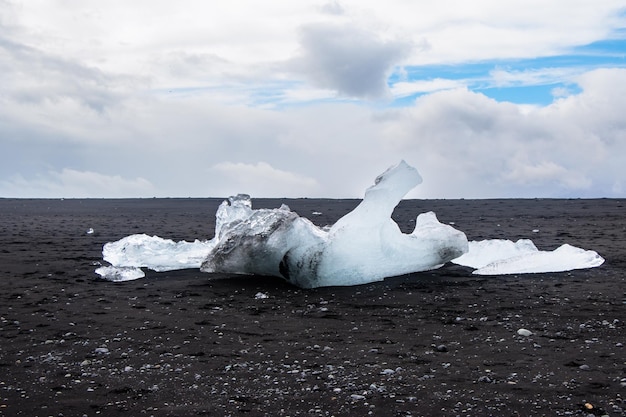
(535, 81)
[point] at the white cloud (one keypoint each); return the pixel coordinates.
(545, 171)
(348, 46)
(501, 77)
(299, 95)
(350, 60)
(117, 30)
(32, 76)
(146, 98)
(261, 179)
(473, 146)
(463, 143)
(72, 183)
(461, 31)
(333, 8)
(408, 88)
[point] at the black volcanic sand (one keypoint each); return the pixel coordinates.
(186, 343)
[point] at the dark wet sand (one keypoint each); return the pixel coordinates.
(186, 343)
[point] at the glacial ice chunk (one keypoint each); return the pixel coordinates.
(365, 245)
(502, 257)
(257, 241)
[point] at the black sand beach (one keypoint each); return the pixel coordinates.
(185, 343)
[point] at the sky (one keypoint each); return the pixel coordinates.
(155, 98)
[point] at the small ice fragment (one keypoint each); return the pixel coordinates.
(261, 296)
(535, 230)
(316, 213)
(158, 254)
(90, 231)
(120, 273)
(524, 332)
(101, 351)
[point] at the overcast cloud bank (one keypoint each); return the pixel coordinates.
(107, 100)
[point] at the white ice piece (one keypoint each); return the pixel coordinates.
(563, 258)
(120, 273)
(156, 253)
(482, 253)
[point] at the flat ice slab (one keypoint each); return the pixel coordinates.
(502, 257)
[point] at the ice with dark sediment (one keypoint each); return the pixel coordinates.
(364, 246)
